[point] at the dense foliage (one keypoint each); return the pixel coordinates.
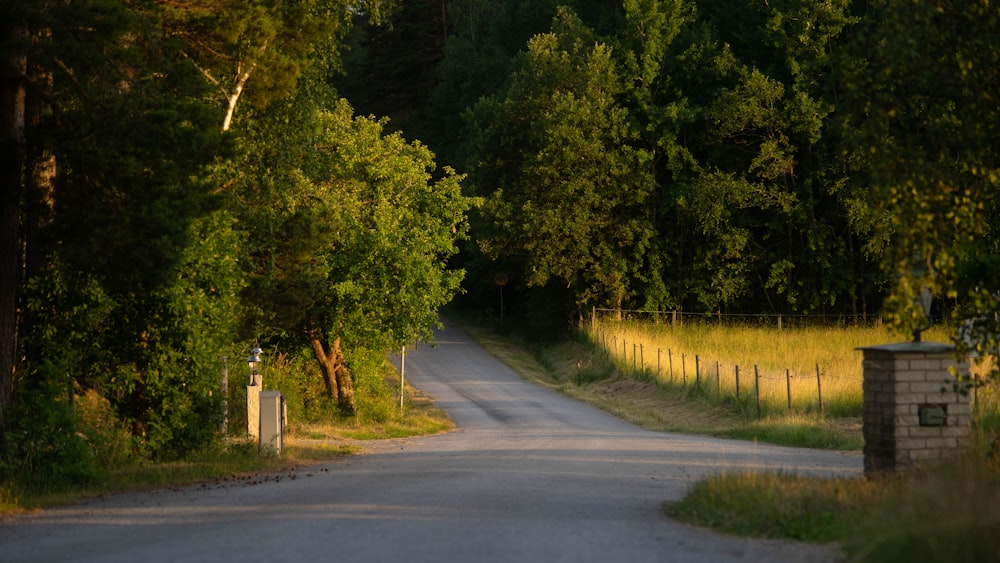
(180, 184)
(183, 180)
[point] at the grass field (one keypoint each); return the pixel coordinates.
(799, 370)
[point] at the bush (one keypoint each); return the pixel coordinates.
(376, 400)
(298, 378)
(46, 449)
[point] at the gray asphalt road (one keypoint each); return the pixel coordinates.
(529, 476)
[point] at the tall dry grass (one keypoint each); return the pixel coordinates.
(800, 370)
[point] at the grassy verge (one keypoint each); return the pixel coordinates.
(578, 369)
(228, 458)
(945, 513)
(232, 459)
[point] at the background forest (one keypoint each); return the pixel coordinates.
(183, 181)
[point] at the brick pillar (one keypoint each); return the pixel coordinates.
(911, 414)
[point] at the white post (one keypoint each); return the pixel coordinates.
(224, 387)
(402, 377)
(253, 411)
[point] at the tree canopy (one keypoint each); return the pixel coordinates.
(155, 228)
(182, 180)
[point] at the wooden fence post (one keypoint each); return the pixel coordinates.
(788, 385)
(756, 387)
(737, 383)
(819, 390)
(697, 371)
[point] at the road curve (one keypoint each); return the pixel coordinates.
(529, 475)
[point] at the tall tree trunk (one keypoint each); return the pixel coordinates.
(40, 200)
(336, 376)
(12, 152)
(326, 366)
(345, 383)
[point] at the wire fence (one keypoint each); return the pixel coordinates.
(677, 317)
(761, 387)
(764, 390)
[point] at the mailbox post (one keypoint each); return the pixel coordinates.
(272, 422)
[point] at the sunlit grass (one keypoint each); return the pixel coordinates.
(803, 370)
(781, 506)
(949, 512)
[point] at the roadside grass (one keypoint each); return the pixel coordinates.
(948, 512)
(780, 505)
(582, 370)
(230, 459)
(226, 458)
(420, 417)
(800, 430)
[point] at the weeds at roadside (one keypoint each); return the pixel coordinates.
(775, 505)
(946, 512)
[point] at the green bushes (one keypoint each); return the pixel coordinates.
(58, 441)
(298, 378)
(46, 449)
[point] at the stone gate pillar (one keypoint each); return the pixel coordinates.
(911, 413)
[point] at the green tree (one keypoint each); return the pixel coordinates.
(484, 37)
(925, 106)
(258, 49)
(765, 197)
(107, 179)
(565, 187)
(354, 252)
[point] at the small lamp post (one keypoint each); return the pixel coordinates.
(253, 361)
(924, 297)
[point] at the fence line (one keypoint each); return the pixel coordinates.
(676, 317)
(639, 366)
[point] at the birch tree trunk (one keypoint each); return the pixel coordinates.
(234, 98)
